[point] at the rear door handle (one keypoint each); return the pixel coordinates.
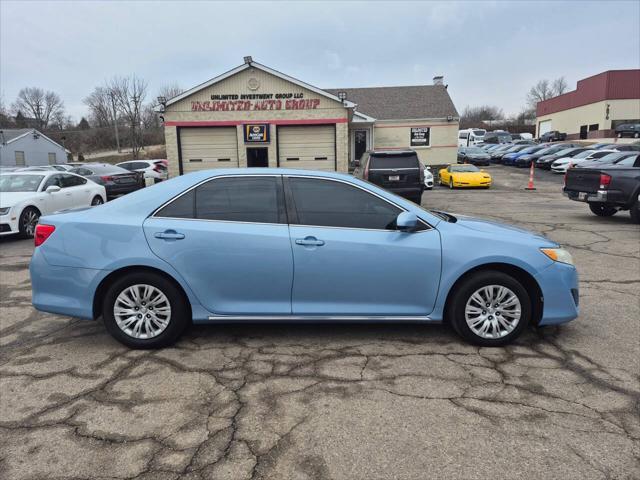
(309, 242)
(169, 235)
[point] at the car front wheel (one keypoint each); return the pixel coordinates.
(145, 310)
(28, 220)
(451, 183)
(602, 210)
(490, 309)
(97, 200)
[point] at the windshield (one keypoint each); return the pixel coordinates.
(464, 168)
(584, 154)
(479, 133)
(393, 161)
(475, 151)
(20, 183)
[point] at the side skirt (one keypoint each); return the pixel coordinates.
(317, 319)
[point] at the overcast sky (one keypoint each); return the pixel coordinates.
(489, 53)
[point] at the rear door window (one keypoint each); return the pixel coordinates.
(328, 203)
(393, 161)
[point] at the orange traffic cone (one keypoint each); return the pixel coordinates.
(530, 186)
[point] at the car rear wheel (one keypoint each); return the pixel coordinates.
(145, 310)
(489, 309)
(27, 223)
(602, 210)
(97, 200)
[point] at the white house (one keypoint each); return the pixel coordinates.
(29, 147)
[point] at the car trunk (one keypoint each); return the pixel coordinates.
(580, 180)
(391, 171)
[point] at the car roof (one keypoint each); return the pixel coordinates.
(32, 172)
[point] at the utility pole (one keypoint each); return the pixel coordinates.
(115, 120)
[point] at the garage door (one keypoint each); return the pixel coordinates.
(309, 147)
(204, 148)
(544, 127)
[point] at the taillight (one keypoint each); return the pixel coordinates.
(156, 169)
(42, 233)
(605, 180)
(366, 172)
(107, 178)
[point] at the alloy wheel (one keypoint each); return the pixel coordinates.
(97, 201)
(29, 222)
(142, 311)
(493, 311)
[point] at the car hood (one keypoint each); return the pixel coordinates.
(503, 229)
(9, 199)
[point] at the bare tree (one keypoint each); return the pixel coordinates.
(129, 94)
(474, 116)
(559, 86)
(42, 105)
(170, 91)
(544, 90)
(100, 108)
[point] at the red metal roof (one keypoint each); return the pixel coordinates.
(609, 85)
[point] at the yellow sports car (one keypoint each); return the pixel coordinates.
(465, 175)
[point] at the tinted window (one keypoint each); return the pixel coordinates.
(106, 169)
(81, 171)
(53, 180)
(336, 204)
(628, 162)
(394, 161)
(72, 181)
(182, 207)
(251, 199)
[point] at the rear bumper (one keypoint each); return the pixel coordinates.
(115, 190)
(560, 290)
(613, 197)
(63, 290)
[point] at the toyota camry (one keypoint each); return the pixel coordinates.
(285, 245)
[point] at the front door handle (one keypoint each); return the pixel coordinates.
(309, 242)
(169, 235)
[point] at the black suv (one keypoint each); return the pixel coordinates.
(398, 171)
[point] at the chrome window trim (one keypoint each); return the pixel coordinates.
(256, 175)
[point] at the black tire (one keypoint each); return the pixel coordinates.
(636, 135)
(29, 218)
(470, 285)
(602, 210)
(634, 212)
(451, 183)
(178, 320)
(97, 200)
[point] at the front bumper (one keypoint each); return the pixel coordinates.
(560, 290)
(9, 224)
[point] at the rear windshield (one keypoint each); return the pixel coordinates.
(105, 169)
(394, 161)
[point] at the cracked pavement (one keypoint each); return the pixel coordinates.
(340, 401)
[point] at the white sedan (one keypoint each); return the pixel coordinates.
(25, 196)
(561, 165)
(155, 170)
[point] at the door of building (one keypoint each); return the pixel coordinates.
(583, 132)
(360, 143)
(257, 157)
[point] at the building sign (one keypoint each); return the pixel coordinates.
(256, 133)
(420, 136)
(256, 101)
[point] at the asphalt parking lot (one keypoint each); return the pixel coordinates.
(340, 401)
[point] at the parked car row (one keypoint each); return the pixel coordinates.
(26, 193)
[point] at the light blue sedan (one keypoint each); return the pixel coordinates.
(285, 245)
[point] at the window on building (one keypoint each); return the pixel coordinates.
(593, 127)
(336, 204)
(20, 160)
(52, 158)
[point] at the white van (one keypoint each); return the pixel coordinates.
(470, 136)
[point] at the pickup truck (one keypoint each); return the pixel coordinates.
(607, 189)
(552, 136)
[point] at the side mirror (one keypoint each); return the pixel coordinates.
(406, 222)
(52, 189)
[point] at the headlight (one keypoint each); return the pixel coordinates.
(558, 255)
(5, 210)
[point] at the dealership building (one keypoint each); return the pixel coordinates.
(254, 116)
(594, 108)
